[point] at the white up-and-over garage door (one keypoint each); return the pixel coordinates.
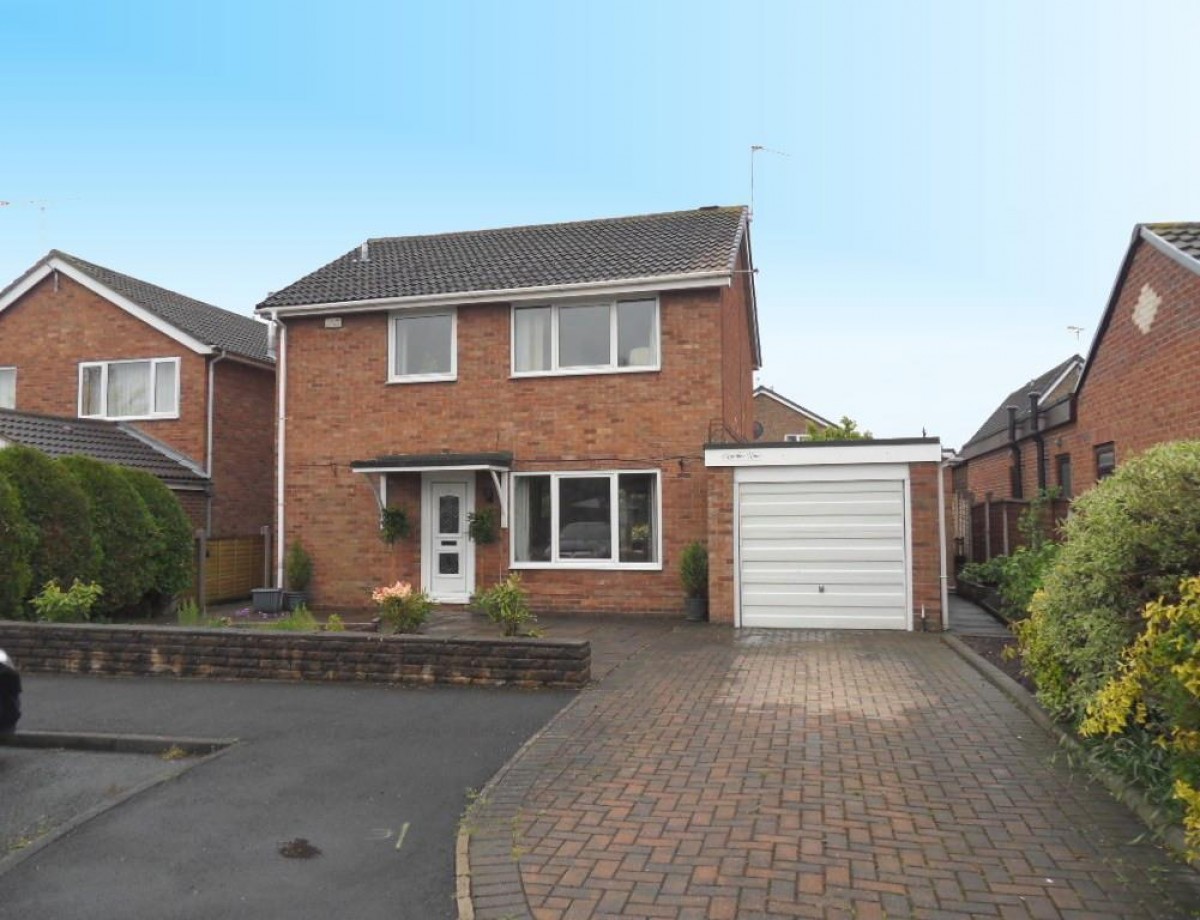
(823, 553)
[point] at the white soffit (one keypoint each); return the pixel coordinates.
(810, 454)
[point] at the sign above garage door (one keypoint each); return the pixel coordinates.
(823, 533)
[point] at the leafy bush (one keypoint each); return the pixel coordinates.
(298, 620)
(173, 551)
(394, 524)
(121, 524)
(401, 609)
(989, 573)
(334, 624)
(57, 508)
(1129, 541)
(483, 525)
(507, 605)
(1158, 689)
(54, 605)
(17, 539)
(299, 567)
(693, 570)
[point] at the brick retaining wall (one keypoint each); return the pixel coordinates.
(237, 653)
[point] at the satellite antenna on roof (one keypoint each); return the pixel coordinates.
(1076, 330)
(759, 148)
(41, 204)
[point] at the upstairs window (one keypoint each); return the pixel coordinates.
(129, 389)
(8, 388)
(1106, 460)
(586, 338)
(421, 347)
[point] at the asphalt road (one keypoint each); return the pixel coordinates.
(374, 778)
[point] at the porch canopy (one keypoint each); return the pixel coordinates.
(499, 465)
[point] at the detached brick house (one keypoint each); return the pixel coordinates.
(566, 377)
(1136, 389)
(96, 362)
(778, 419)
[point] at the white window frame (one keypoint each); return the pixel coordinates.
(613, 343)
(392, 376)
(792, 438)
(154, 363)
(614, 505)
(3, 369)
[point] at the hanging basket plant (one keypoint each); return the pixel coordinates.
(483, 526)
(394, 524)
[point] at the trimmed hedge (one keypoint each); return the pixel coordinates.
(16, 546)
(57, 508)
(171, 559)
(124, 529)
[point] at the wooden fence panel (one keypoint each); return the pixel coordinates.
(233, 568)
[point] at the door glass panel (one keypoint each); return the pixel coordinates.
(447, 563)
(448, 514)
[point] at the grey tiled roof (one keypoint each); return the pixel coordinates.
(242, 335)
(998, 420)
(615, 249)
(112, 442)
(1184, 237)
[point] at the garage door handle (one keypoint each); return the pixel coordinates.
(820, 589)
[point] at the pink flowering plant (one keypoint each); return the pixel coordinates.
(401, 609)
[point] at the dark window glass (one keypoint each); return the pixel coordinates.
(1106, 460)
(1063, 464)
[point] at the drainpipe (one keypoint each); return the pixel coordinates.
(208, 451)
(1016, 451)
(280, 437)
(1038, 440)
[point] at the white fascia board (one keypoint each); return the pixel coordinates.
(1171, 252)
(516, 295)
(1071, 368)
(150, 319)
(809, 454)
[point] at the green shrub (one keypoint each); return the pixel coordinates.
(299, 567)
(1158, 691)
(989, 573)
(173, 555)
(401, 609)
(17, 540)
(121, 525)
(54, 605)
(298, 620)
(483, 525)
(57, 508)
(1129, 541)
(334, 624)
(693, 570)
(507, 605)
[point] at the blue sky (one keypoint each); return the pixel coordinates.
(960, 183)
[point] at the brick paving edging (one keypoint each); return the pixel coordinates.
(119, 650)
(1171, 835)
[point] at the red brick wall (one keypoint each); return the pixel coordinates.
(340, 409)
(1141, 389)
(195, 506)
(924, 483)
(777, 419)
(243, 449)
(722, 596)
(47, 333)
(737, 357)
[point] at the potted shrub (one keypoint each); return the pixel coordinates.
(693, 573)
(299, 576)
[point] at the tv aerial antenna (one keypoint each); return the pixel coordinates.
(1077, 330)
(41, 204)
(759, 148)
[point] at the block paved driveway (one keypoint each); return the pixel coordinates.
(807, 774)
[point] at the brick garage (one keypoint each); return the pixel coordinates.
(827, 535)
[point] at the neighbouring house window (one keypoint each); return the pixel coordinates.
(1062, 465)
(586, 338)
(8, 388)
(129, 389)
(1106, 460)
(796, 437)
(421, 347)
(586, 520)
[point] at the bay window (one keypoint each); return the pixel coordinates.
(586, 338)
(586, 520)
(129, 389)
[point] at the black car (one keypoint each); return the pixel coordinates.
(10, 694)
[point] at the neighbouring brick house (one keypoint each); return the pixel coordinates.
(563, 377)
(96, 362)
(1135, 389)
(777, 419)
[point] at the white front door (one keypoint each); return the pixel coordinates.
(447, 559)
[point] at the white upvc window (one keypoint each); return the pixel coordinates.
(423, 346)
(619, 336)
(797, 437)
(8, 388)
(139, 389)
(587, 520)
